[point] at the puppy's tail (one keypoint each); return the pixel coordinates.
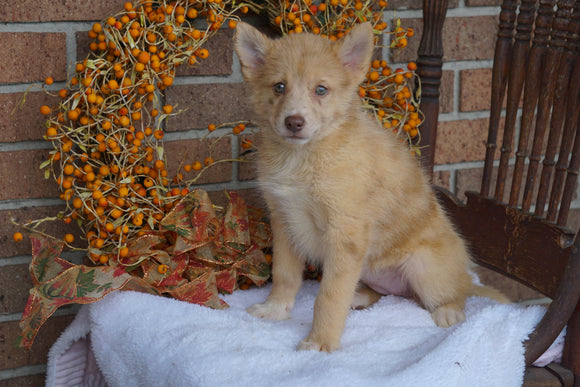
(486, 291)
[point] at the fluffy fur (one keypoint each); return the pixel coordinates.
(342, 191)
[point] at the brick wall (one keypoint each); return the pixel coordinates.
(42, 38)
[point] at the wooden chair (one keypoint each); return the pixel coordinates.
(516, 226)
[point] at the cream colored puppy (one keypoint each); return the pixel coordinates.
(342, 191)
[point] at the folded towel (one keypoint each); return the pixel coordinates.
(143, 340)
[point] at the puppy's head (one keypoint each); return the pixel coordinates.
(302, 85)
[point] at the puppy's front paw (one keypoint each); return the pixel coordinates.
(448, 315)
(312, 345)
(270, 311)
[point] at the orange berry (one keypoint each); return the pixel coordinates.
(239, 129)
(211, 127)
(123, 252)
(98, 243)
(123, 191)
(196, 166)
(77, 203)
(203, 53)
(45, 110)
(51, 132)
(148, 182)
(246, 144)
(162, 269)
(374, 76)
(125, 121)
(69, 238)
(113, 84)
(17, 236)
(68, 169)
(167, 109)
(48, 81)
(143, 57)
(159, 165)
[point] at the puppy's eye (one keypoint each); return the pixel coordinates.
(321, 90)
(279, 88)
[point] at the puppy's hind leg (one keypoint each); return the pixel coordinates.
(441, 282)
(287, 270)
(364, 297)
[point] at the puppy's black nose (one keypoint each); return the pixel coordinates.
(295, 123)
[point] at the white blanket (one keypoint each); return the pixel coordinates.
(143, 340)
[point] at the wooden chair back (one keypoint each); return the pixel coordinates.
(516, 223)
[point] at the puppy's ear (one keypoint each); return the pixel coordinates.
(251, 46)
(357, 49)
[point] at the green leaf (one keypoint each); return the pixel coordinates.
(86, 283)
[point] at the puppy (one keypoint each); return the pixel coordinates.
(342, 191)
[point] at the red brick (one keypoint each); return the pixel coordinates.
(475, 90)
(442, 179)
(22, 178)
(459, 141)
(446, 92)
(24, 123)
(188, 151)
(220, 60)
(23, 215)
(207, 104)
(31, 57)
(470, 38)
(83, 42)
(253, 197)
(414, 4)
(25, 381)
(468, 180)
(63, 10)
(14, 285)
(13, 357)
(247, 170)
(464, 38)
(482, 3)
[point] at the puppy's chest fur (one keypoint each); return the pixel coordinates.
(295, 194)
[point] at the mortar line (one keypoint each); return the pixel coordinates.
(28, 370)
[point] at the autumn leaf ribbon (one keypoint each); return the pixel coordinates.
(205, 251)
